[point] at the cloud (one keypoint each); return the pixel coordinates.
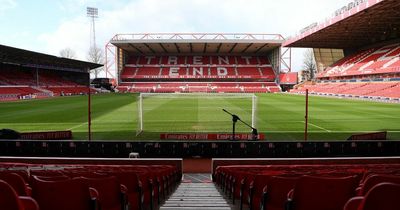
(72, 33)
(152, 16)
(7, 5)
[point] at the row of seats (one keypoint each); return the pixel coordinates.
(307, 187)
(68, 90)
(23, 84)
(376, 60)
(17, 77)
(10, 93)
(198, 67)
(84, 187)
(218, 87)
(18, 90)
(221, 72)
(369, 89)
(198, 60)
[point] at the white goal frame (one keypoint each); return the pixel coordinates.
(176, 95)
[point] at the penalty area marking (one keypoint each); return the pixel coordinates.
(319, 127)
(77, 126)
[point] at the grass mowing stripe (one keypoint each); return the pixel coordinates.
(279, 116)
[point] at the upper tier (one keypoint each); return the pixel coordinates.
(376, 60)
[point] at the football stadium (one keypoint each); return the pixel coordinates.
(209, 120)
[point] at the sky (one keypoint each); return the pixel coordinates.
(49, 26)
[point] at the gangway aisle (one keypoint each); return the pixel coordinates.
(196, 192)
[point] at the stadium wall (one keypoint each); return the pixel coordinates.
(203, 149)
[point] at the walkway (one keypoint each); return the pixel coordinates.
(196, 192)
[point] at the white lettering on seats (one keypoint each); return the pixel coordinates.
(247, 59)
(223, 59)
(173, 71)
(222, 71)
(198, 71)
(172, 60)
(149, 58)
(197, 60)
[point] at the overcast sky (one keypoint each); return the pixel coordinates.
(50, 25)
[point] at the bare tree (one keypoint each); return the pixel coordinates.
(95, 55)
(68, 53)
(309, 64)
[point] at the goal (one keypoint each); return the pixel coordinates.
(194, 112)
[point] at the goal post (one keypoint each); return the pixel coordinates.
(194, 112)
(253, 111)
(140, 115)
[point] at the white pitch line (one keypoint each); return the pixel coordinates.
(319, 127)
(268, 131)
(288, 131)
(77, 126)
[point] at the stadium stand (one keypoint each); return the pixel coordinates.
(373, 61)
(358, 65)
(213, 70)
(24, 85)
(371, 73)
(90, 186)
(25, 75)
(227, 87)
(389, 90)
(307, 185)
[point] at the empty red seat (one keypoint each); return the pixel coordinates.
(50, 178)
(375, 179)
(111, 195)
(62, 195)
(9, 200)
(17, 182)
(275, 193)
(383, 196)
(131, 182)
(314, 193)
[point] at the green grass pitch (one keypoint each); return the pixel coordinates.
(279, 116)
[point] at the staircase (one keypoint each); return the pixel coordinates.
(196, 192)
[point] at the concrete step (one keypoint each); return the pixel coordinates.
(199, 196)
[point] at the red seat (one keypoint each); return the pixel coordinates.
(50, 178)
(375, 179)
(383, 196)
(131, 181)
(9, 200)
(109, 191)
(275, 193)
(256, 188)
(314, 193)
(62, 195)
(17, 182)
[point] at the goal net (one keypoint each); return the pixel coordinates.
(195, 112)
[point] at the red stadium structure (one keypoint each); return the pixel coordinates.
(25, 74)
(357, 51)
(197, 62)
